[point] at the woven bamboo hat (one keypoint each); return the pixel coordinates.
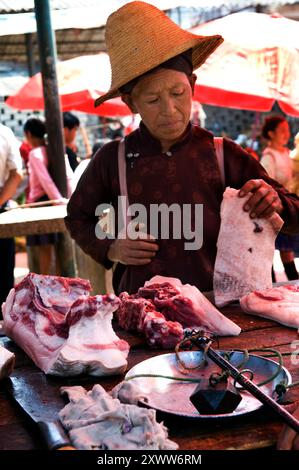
(139, 37)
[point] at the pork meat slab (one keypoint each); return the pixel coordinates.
(245, 250)
(280, 304)
(164, 307)
(185, 304)
(139, 314)
(62, 329)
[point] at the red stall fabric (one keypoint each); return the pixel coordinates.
(80, 81)
(257, 64)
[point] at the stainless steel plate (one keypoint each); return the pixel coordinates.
(172, 397)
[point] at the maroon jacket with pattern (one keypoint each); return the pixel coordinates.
(187, 174)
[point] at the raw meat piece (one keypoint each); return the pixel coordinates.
(95, 420)
(187, 305)
(162, 333)
(164, 306)
(7, 362)
(245, 250)
(280, 304)
(137, 314)
(64, 331)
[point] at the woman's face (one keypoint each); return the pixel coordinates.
(281, 135)
(163, 99)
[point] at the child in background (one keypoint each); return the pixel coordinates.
(71, 125)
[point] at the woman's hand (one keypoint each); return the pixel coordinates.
(135, 252)
(289, 439)
(264, 200)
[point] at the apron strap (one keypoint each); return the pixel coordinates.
(218, 142)
(122, 176)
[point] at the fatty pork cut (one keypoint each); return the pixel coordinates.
(7, 362)
(280, 304)
(245, 250)
(62, 329)
(164, 307)
(95, 420)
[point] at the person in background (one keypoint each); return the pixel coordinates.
(252, 153)
(42, 188)
(294, 186)
(71, 125)
(10, 178)
(276, 160)
(24, 151)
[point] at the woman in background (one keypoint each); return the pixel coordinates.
(276, 160)
(41, 188)
(294, 186)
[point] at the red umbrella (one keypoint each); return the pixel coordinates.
(80, 82)
(257, 64)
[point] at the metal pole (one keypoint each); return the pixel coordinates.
(47, 54)
(30, 54)
(56, 147)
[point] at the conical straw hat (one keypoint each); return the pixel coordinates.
(139, 37)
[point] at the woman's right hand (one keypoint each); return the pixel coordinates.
(135, 252)
(289, 439)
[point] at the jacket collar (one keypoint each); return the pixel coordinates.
(151, 145)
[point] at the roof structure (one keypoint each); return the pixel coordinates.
(21, 6)
(79, 24)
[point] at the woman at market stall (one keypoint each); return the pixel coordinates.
(168, 160)
(276, 160)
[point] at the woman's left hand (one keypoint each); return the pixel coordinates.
(264, 200)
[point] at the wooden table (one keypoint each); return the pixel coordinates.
(50, 219)
(32, 221)
(257, 430)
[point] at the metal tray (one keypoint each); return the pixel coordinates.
(172, 397)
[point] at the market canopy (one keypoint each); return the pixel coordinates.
(257, 64)
(80, 81)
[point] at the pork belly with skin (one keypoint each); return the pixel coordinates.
(245, 250)
(62, 329)
(280, 304)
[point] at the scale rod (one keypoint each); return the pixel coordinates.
(246, 383)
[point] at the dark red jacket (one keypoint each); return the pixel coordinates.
(189, 174)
